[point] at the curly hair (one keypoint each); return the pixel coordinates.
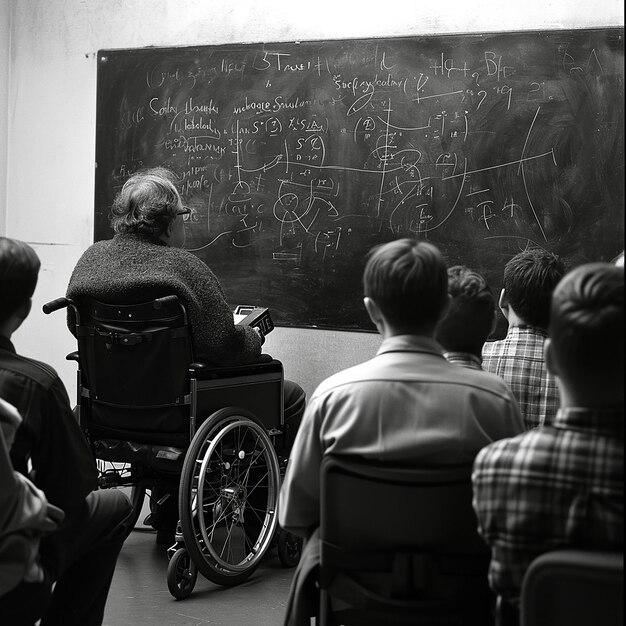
(147, 203)
(469, 319)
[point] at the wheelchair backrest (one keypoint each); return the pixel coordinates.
(135, 364)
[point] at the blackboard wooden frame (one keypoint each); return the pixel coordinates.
(296, 158)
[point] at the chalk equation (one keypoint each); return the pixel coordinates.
(300, 157)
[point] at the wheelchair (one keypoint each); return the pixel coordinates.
(155, 418)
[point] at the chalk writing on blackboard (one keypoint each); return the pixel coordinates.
(297, 158)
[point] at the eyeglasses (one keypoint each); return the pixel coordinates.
(184, 211)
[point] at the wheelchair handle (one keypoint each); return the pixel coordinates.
(159, 302)
(55, 305)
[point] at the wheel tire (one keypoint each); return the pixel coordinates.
(289, 548)
(182, 574)
(230, 456)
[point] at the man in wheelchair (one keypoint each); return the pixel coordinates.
(144, 260)
(51, 450)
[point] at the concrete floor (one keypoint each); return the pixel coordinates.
(139, 593)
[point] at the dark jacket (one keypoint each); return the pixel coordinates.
(49, 437)
(133, 268)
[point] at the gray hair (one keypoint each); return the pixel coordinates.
(147, 203)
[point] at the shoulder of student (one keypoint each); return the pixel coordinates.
(368, 374)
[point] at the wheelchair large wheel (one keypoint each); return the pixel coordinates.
(228, 496)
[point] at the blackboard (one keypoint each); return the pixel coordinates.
(296, 158)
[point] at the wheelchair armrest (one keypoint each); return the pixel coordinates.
(72, 356)
(264, 358)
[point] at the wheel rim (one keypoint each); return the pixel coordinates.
(185, 574)
(292, 548)
(236, 485)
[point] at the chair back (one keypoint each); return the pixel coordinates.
(134, 367)
(574, 587)
(400, 545)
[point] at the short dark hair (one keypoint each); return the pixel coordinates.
(469, 319)
(529, 280)
(587, 323)
(19, 269)
(147, 203)
(408, 281)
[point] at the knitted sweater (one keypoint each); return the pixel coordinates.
(134, 268)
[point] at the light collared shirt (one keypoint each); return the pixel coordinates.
(519, 360)
(406, 405)
(553, 487)
(464, 359)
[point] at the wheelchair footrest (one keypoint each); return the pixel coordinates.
(168, 458)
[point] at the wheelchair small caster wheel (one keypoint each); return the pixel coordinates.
(289, 548)
(182, 574)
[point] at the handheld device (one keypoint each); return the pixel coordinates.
(258, 317)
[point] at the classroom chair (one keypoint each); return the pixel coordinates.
(574, 588)
(399, 545)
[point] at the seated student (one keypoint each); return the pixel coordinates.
(405, 405)
(49, 447)
(144, 260)
(529, 280)
(563, 485)
(470, 318)
(25, 515)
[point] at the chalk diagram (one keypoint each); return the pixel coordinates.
(305, 210)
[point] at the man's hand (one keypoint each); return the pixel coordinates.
(260, 334)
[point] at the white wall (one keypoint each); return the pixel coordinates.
(51, 117)
(5, 51)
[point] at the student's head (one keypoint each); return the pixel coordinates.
(470, 318)
(529, 280)
(585, 348)
(149, 204)
(19, 269)
(406, 282)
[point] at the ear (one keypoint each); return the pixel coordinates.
(503, 304)
(374, 312)
(502, 300)
(549, 358)
(24, 309)
(16, 319)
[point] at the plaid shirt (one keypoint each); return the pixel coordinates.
(553, 487)
(518, 359)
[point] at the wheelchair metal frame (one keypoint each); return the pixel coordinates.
(230, 477)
